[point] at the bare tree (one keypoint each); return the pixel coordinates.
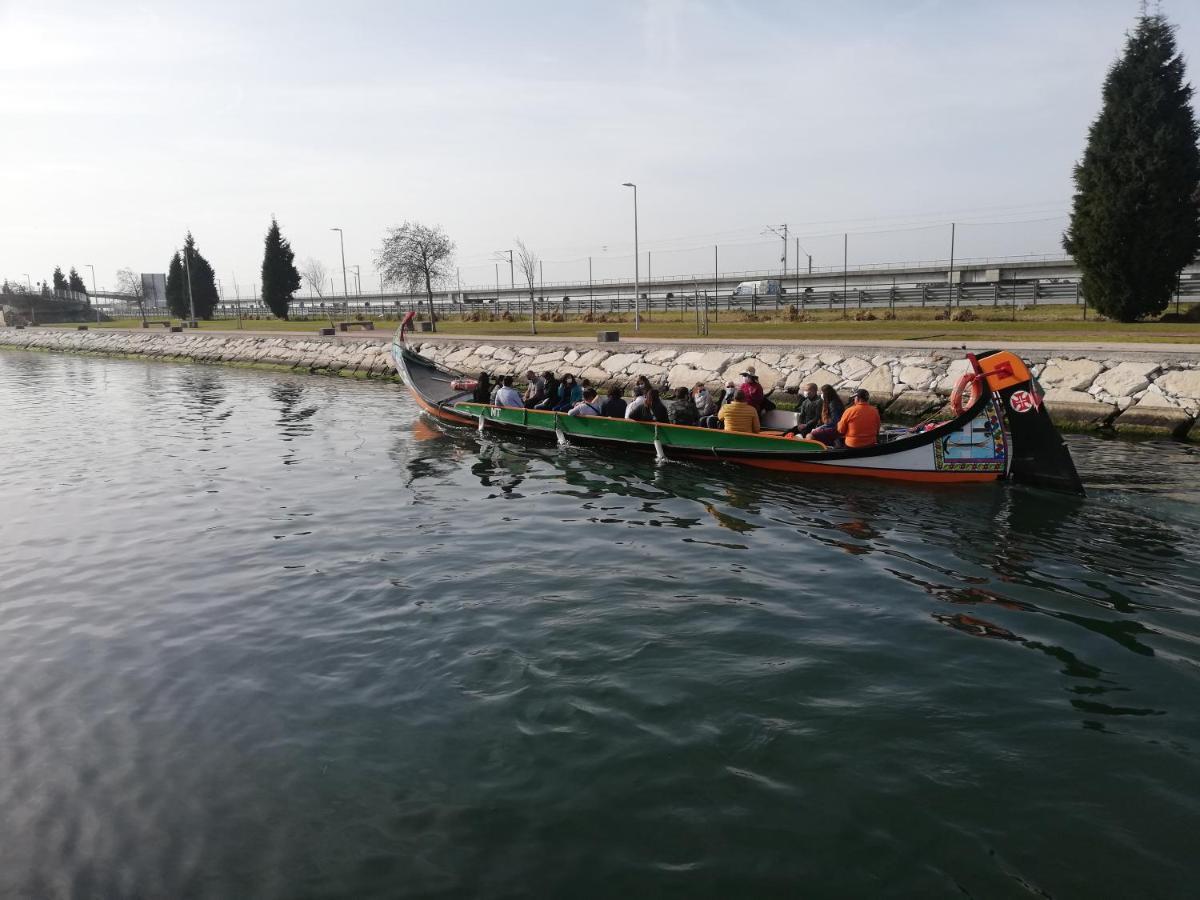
(130, 282)
(527, 262)
(315, 273)
(416, 256)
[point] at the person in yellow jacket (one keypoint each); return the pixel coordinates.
(738, 415)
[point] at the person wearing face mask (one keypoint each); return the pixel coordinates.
(808, 410)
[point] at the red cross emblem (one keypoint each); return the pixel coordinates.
(1021, 401)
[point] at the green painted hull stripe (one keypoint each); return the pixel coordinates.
(600, 427)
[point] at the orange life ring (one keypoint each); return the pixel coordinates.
(974, 381)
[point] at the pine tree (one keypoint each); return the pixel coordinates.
(279, 276)
(203, 283)
(60, 280)
(1135, 222)
(75, 283)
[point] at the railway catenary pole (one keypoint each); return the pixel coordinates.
(845, 270)
(637, 291)
(950, 275)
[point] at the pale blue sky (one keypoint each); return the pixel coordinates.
(125, 124)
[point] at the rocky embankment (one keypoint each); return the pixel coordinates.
(1141, 391)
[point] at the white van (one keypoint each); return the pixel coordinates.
(767, 289)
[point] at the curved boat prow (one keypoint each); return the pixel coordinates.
(1039, 455)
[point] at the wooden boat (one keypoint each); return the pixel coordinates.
(1005, 433)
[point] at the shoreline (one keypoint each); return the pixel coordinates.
(1132, 390)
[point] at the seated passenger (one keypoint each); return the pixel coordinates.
(831, 413)
(859, 425)
(509, 395)
(587, 406)
(738, 415)
(614, 406)
(682, 409)
(535, 390)
(808, 410)
(705, 405)
(638, 410)
(483, 389)
(657, 408)
(752, 389)
(569, 393)
(550, 400)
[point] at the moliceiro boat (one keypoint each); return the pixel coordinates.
(1003, 432)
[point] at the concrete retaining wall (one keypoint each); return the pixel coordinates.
(1137, 392)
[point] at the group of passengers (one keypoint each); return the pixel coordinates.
(821, 415)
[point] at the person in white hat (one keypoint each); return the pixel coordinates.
(752, 389)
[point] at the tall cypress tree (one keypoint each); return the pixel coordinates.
(203, 281)
(75, 283)
(60, 280)
(279, 276)
(177, 300)
(1135, 221)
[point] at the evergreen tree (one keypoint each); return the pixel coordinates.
(203, 283)
(177, 299)
(60, 280)
(1135, 221)
(75, 283)
(279, 276)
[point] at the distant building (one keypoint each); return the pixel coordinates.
(154, 290)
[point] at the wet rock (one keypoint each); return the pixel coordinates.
(1153, 421)
(1080, 416)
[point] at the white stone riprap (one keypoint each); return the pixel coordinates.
(1089, 389)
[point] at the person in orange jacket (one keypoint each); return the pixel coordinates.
(859, 425)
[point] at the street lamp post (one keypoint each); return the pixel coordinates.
(342, 242)
(93, 268)
(637, 290)
(29, 285)
(191, 302)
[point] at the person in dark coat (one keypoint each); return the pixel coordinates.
(483, 389)
(682, 409)
(808, 410)
(551, 400)
(614, 406)
(657, 407)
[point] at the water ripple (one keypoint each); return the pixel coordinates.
(268, 635)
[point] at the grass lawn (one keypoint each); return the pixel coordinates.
(1044, 323)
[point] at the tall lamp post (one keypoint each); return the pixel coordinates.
(29, 285)
(93, 268)
(637, 289)
(187, 269)
(342, 242)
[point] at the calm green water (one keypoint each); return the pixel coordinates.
(279, 636)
